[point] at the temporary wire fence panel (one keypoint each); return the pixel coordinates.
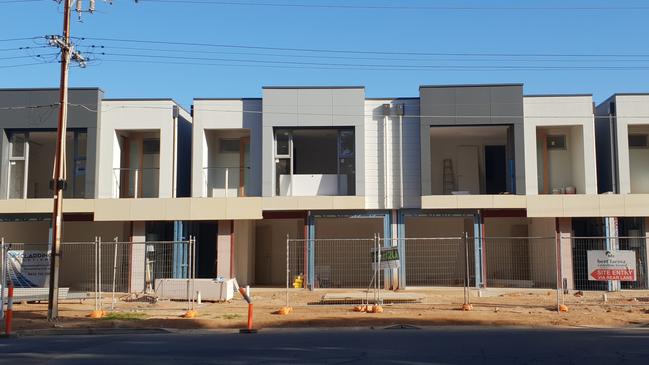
(523, 262)
(28, 265)
(581, 246)
(135, 266)
(438, 261)
(296, 256)
(343, 263)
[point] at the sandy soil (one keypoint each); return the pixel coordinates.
(494, 307)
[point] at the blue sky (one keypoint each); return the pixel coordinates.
(538, 31)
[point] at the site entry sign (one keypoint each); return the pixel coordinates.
(389, 258)
(611, 265)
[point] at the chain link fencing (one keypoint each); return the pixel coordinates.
(582, 290)
(116, 276)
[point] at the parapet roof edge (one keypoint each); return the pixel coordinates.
(470, 85)
(195, 99)
(48, 88)
(554, 95)
(313, 87)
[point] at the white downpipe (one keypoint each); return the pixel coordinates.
(400, 161)
(385, 161)
(227, 178)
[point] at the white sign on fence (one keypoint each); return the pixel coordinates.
(389, 258)
(28, 268)
(611, 265)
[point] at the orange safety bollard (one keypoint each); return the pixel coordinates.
(250, 316)
(10, 310)
(249, 328)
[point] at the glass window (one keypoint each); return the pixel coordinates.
(282, 138)
(346, 143)
(17, 179)
(346, 177)
(18, 145)
(282, 167)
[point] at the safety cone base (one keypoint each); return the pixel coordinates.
(248, 330)
(97, 314)
(190, 314)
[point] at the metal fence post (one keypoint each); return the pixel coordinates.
(112, 305)
(189, 271)
(193, 240)
(466, 269)
(96, 282)
(557, 252)
(101, 304)
(3, 276)
(287, 268)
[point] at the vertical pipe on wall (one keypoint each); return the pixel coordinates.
(401, 160)
(385, 160)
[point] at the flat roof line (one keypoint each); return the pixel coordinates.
(227, 98)
(470, 85)
(313, 87)
(554, 95)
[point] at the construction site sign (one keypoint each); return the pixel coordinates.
(389, 258)
(606, 265)
(28, 268)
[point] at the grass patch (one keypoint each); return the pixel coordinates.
(231, 316)
(124, 316)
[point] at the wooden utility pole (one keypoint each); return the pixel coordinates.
(59, 183)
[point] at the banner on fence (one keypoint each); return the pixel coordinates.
(28, 268)
(611, 265)
(389, 258)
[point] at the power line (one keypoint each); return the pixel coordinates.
(19, 39)
(324, 50)
(433, 116)
(181, 60)
(100, 48)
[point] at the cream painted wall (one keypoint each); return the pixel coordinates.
(244, 251)
(376, 186)
(226, 114)
(431, 227)
(444, 148)
(566, 166)
(542, 251)
(354, 228)
(561, 111)
(130, 115)
(215, 176)
(25, 232)
(639, 163)
(270, 249)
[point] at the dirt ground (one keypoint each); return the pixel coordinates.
(438, 306)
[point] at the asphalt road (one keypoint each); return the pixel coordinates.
(440, 345)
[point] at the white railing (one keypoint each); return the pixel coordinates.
(225, 182)
(136, 183)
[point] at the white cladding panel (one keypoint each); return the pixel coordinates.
(382, 161)
(226, 114)
(134, 115)
(632, 110)
(561, 111)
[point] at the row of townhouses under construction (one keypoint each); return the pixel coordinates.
(481, 161)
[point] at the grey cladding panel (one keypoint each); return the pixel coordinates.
(461, 102)
(82, 112)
